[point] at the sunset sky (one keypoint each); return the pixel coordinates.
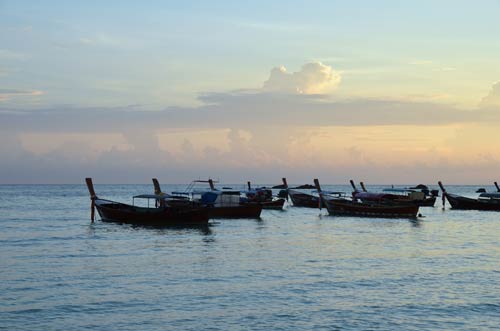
(394, 92)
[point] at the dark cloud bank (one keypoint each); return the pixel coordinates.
(244, 110)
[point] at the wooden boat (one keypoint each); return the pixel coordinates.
(485, 201)
(412, 196)
(393, 195)
(160, 215)
(264, 196)
(220, 204)
(173, 200)
(341, 205)
(365, 209)
(227, 204)
(301, 199)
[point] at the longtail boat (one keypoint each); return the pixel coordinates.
(301, 199)
(162, 214)
(172, 200)
(394, 196)
(264, 197)
(485, 201)
(339, 204)
(220, 204)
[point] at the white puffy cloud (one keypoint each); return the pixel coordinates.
(313, 78)
(493, 98)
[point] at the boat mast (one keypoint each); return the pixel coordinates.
(156, 184)
(353, 185)
(318, 187)
(444, 193)
(93, 196)
(211, 183)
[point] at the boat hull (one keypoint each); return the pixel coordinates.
(427, 202)
(274, 204)
(249, 210)
(464, 203)
(300, 199)
(110, 211)
(351, 208)
(396, 199)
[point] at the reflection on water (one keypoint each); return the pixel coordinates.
(296, 269)
(204, 229)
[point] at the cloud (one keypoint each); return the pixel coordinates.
(421, 62)
(6, 94)
(265, 135)
(86, 41)
(273, 27)
(107, 40)
(3, 72)
(6, 54)
(313, 78)
(246, 160)
(245, 110)
(435, 97)
(98, 40)
(268, 136)
(493, 98)
(433, 65)
(446, 69)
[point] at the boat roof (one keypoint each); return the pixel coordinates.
(192, 192)
(372, 195)
(253, 190)
(333, 192)
(398, 190)
(207, 191)
(302, 190)
(152, 196)
(490, 195)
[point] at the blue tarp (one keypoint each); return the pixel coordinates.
(209, 197)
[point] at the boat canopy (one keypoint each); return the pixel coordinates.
(152, 196)
(302, 191)
(398, 190)
(209, 197)
(490, 195)
(221, 197)
(333, 192)
(372, 196)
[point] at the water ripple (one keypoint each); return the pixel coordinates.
(294, 270)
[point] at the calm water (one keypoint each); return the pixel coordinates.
(294, 270)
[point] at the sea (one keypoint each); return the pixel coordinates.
(297, 269)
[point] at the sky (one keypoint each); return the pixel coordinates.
(389, 92)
